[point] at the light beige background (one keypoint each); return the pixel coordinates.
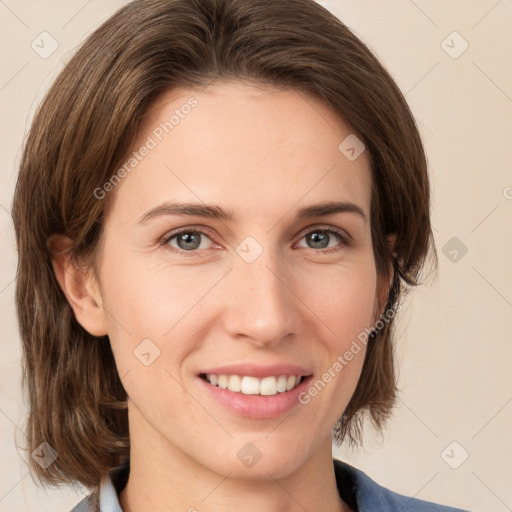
(455, 343)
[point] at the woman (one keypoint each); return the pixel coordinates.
(218, 206)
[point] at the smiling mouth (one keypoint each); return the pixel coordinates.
(248, 385)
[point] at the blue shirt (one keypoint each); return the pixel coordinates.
(356, 489)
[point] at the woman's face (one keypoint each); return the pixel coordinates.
(219, 257)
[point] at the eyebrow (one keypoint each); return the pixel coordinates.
(216, 212)
(193, 209)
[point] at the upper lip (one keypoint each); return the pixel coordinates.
(259, 371)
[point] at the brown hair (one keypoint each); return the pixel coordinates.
(83, 130)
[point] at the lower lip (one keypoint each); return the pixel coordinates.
(255, 406)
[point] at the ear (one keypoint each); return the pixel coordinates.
(384, 285)
(79, 285)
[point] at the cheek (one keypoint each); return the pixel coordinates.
(155, 297)
(158, 302)
(344, 302)
(167, 303)
(349, 313)
(343, 298)
(160, 298)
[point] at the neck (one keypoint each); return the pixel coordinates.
(164, 478)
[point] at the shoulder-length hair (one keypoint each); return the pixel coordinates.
(83, 131)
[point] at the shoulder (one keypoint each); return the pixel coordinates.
(356, 488)
(104, 498)
(89, 504)
(371, 496)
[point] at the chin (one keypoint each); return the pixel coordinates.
(258, 459)
(265, 469)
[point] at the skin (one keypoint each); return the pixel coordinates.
(261, 154)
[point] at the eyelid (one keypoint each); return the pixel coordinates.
(344, 237)
(165, 239)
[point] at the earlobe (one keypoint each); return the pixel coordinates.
(392, 242)
(79, 286)
(384, 286)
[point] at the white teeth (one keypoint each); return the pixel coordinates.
(253, 386)
(223, 381)
(281, 384)
(268, 386)
(234, 383)
(250, 386)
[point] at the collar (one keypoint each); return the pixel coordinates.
(356, 489)
(110, 487)
(112, 484)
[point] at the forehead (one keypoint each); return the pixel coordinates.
(256, 151)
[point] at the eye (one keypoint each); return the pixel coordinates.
(188, 240)
(325, 239)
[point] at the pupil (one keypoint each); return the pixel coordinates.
(188, 241)
(319, 240)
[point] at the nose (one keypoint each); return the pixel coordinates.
(260, 305)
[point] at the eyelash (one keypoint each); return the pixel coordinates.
(343, 238)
